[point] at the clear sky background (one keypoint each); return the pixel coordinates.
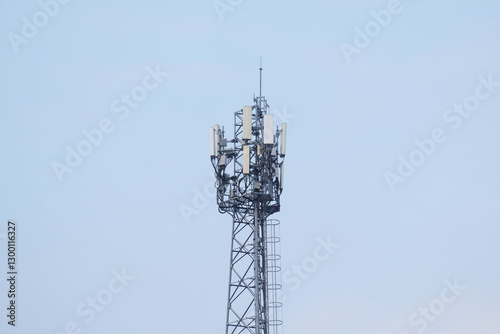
(352, 118)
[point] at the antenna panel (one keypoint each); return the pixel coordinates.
(268, 129)
(246, 159)
(283, 140)
(212, 142)
(282, 175)
(247, 123)
(216, 140)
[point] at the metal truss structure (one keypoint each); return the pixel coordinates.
(249, 174)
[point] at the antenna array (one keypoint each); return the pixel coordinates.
(249, 170)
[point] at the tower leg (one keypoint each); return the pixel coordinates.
(247, 307)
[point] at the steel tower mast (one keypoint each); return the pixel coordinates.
(249, 174)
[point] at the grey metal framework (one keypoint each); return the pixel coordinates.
(249, 173)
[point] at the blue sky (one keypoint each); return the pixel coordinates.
(351, 121)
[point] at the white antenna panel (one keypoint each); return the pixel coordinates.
(247, 123)
(268, 129)
(283, 140)
(212, 142)
(216, 141)
(282, 175)
(246, 159)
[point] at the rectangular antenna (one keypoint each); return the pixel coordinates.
(212, 142)
(283, 140)
(216, 139)
(247, 123)
(282, 175)
(268, 129)
(246, 159)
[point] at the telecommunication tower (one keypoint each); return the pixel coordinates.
(249, 182)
